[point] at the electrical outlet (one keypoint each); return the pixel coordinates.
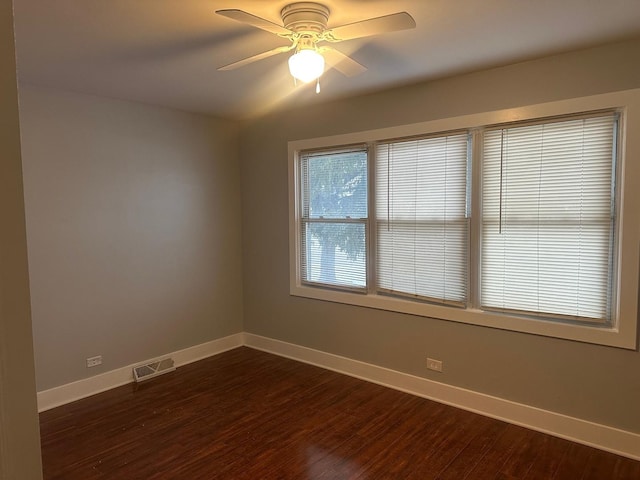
(435, 365)
(94, 361)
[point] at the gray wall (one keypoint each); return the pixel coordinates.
(134, 231)
(582, 380)
(19, 435)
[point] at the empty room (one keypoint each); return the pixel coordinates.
(342, 239)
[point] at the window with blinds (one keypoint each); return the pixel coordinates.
(548, 218)
(421, 218)
(333, 223)
(514, 225)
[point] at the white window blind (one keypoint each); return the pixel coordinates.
(548, 218)
(334, 218)
(421, 218)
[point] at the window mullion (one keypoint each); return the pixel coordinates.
(372, 228)
(475, 224)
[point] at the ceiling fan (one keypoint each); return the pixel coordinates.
(305, 25)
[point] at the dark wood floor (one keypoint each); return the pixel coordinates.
(249, 415)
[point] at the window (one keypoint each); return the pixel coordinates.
(421, 218)
(334, 218)
(548, 218)
(521, 219)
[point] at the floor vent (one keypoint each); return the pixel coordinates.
(153, 369)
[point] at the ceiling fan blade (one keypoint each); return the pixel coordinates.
(373, 26)
(341, 62)
(244, 17)
(255, 58)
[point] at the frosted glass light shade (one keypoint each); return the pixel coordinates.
(306, 65)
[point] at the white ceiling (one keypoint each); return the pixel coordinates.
(166, 52)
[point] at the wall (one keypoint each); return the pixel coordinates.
(19, 434)
(134, 231)
(591, 382)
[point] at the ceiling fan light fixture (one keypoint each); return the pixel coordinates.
(306, 65)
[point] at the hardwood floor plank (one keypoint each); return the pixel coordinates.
(493, 459)
(471, 455)
(388, 447)
(523, 456)
(574, 462)
(550, 455)
(247, 415)
(626, 469)
(600, 466)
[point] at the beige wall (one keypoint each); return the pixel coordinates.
(582, 380)
(19, 435)
(134, 231)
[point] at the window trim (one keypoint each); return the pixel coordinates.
(622, 333)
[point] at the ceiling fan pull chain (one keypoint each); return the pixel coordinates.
(318, 85)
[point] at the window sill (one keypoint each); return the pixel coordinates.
(604, 335)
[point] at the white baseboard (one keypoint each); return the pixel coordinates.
(86, 387)
(588, 433)
(596, 435)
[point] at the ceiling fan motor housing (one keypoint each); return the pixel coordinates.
(305, 18)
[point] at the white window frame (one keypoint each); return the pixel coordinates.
(621, 333)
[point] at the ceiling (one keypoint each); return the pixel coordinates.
(166, 52)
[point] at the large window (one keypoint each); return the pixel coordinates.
(510, 224)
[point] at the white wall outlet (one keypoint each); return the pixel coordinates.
(94, 361)
(435, 365)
